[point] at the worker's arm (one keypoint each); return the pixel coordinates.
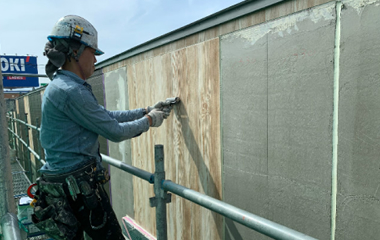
(165, 106)
(130, 115)
(127, 115)
(83, 109)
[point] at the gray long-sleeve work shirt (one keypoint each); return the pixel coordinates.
(72, 120)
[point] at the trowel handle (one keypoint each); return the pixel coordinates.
(173, 100)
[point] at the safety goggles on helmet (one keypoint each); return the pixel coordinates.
(76, 28)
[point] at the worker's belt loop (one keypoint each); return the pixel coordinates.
(91, 171)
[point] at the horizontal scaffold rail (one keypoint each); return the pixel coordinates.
(22, 141)
(261, 225)
(26, 145)
(248, 219)
(20, 121)
(147, 176)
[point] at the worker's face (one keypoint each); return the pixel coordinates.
(87, 61)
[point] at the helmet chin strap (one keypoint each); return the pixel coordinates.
(80, 68)
(80, 50)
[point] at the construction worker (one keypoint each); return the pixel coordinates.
(70, 197)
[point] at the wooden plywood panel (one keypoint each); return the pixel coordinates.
(191, 136)
(17, 112)
(30, 133)
(17, 106)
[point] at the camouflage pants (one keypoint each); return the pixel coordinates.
(111, 230)
(63, 218)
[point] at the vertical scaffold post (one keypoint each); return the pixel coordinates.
(10, 138)
(161, 196)
(29, 163)
(15, 131)
(38, 145)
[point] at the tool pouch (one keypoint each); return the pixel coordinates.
(89, 197)
(52, 212)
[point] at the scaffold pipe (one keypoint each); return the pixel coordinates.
(26, 145)
(130, 169)
(20, 121)
(9, 227)
(248, 219)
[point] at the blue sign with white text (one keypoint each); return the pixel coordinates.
(19, 65)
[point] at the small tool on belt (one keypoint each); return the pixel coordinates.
(31, 195)
(29, 190)
(73, 186)
(102, 176)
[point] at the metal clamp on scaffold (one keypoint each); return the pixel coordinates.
(153, 200)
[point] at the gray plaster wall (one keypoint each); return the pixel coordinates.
(278, 113)
(97, 85)
(244, 122)
(277, 107)
(96, 82)
(300, 96)
(116, 95)
(358, 199)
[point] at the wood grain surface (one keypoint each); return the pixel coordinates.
(191, 136)
(30, 133)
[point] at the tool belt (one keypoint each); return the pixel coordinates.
(52, 211)
(84, 172)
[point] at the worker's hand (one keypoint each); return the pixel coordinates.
(161, 106)
(167, 111)
(157, 117)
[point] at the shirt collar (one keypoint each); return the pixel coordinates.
(74, 77)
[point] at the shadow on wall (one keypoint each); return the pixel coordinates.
(205, 176)
(232, 231)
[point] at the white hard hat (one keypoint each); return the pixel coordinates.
(77, 28)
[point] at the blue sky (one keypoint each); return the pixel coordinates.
(121, 24)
